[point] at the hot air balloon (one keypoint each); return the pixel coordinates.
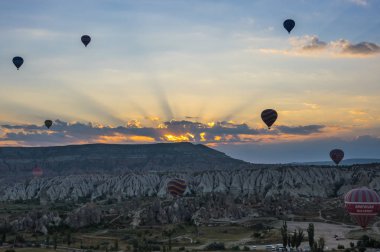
(362, 204)
(269, 116)
(176, 187)
(336, 155)
(85, 40)
(289, 25)
(37, 171)
(18, 61)
(48, 123)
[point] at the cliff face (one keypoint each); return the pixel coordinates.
(264, 182)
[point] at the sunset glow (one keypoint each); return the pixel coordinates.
(203, 75)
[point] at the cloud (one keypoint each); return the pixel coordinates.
(301, 130)
(311, 45)
(359, 2)
(134, 132)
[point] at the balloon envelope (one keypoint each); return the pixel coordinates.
(86, 40)
(289, 24)
(336, 155)
(362, 204)
(37, 171)
(18, 61)
(176, 187)
(48, 123)
(269, 116)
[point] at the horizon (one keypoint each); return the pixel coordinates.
(249, 160)
(194, 71)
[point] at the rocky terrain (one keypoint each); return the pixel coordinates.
(264, 182)
(126, 185)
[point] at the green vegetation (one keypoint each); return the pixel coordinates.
(310, 234)
(215, 246)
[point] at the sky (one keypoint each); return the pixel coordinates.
(194, 70)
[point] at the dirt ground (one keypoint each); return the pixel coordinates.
(325, 230)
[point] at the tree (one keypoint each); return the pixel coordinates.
(116, 245)
(310, 235)
(169, 233)
(321, 244)
(293, 240)
(55, 239)
(47, 241)
(284, 234)
(299, 237)
(68, 239)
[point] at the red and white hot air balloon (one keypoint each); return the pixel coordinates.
(363, 204)
(37, 171)
(176, 187)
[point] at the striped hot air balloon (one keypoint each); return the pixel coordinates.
(362, 204)
(37, 171)
(269, 116)
(176, 187)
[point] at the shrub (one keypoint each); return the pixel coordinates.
(10, 250)
(256, 234)
(215, 246)
(340, 246)
(235, 248)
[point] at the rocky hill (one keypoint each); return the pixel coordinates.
(18, 162)
(119, 171)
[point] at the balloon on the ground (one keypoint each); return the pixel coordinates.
(86, 40)
(18, 61)
(37, 171)
(269, 116)
(48, 123)
(337, 155)
(363, 204)
(176, 187)
(289, 24)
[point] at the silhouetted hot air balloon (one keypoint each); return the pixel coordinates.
(48, 123)
(37, 171)
(85, 40)
(18, 61)
(363, 204)
(176, 187)
(289, 24)
(269, 116)
(336, 155)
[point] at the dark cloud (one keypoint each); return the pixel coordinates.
(66, 133)
(301, 130)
